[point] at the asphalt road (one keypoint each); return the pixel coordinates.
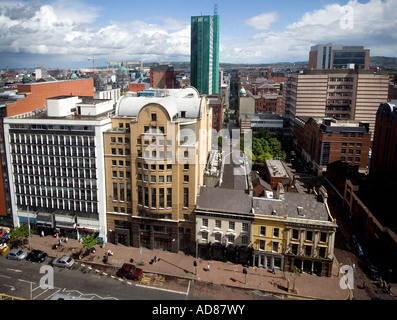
(23, 279)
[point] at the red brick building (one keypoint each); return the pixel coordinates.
(324, 141)
(136, 87)
(162, 76)
(37, 93)
(216, 103)
(384, 148)
(272, 103)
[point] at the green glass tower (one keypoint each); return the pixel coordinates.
(204, 54)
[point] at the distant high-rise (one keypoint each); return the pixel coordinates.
(336, 56)
(204, 57)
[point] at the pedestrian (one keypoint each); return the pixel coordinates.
(154, 259)
(66, 240)
(60, 242)
(208, 267)
(42, 233)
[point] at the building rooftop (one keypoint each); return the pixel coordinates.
(276, 169)
(294, 205)
(224, 200)
(174, 101)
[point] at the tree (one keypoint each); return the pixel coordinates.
(90, 241)
(19, 232)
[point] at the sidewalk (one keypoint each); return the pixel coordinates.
(182, 266)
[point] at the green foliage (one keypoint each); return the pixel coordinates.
(20, 232)
(90, 241)
(265, 147)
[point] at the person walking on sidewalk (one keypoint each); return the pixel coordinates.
(208, 267)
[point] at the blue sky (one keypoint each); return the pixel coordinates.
(65, 33)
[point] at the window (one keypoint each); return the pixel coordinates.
(161, 179)
(295, 234)
(115, 195)
(262, 244)
(204, 236)
(245, 240)
(230, 238)
(153, 179)
(185, 197)
(309, 235)
(356, 159)
(231, 225)
(218, 237)
(153, 167)
(275, 246)
(322, 251)
(308, 250)
(154, 202)
(140, 195)
(323, 236)
(185, 178)
(262, 231)
(169, 197)
(218, 224)
(112, 139)
(146, 190)
(245, 227)
(169, 179)
(205, 222)
(186, 154)
(161, 198)
(154, 117)
(186, 166)
(183, 114)
(276, 232)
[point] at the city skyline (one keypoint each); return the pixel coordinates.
(65, 34)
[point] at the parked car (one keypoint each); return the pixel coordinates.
(63, 262)
(37, 256)
(16, 254)
(129, 271)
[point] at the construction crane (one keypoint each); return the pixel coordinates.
(93, 63)
(112, 64)
(134, 63)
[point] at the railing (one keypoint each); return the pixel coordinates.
(4, 296)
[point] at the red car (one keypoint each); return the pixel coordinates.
(129, 271)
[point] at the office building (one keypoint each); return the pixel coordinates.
(155, 157)
(323, 141)
(342, 94)
(337, 56)
(204, 56)
(28, 97)
(55, 162)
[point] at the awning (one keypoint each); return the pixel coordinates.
(45, 220)
(66, 222)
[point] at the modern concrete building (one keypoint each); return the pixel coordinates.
(155, 157)
(337, 56)
(342, 94)
(55, 164)
(26, 98)
(204, 56)
(271, 122)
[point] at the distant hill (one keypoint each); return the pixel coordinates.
(383, 61)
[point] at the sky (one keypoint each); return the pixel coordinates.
(67, 33)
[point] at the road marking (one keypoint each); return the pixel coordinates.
(5, 276)
(15, 270)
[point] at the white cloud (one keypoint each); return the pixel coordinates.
(263, 21)
(370, 24)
